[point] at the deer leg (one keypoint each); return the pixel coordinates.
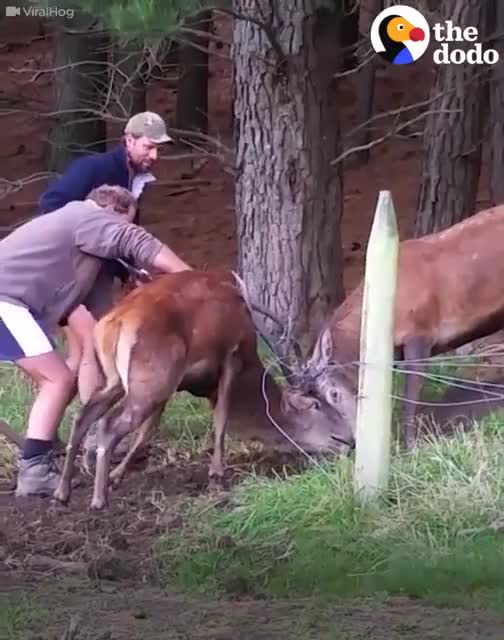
(417, 348)
(145, 394)
(143, 434)
(117, 424)
(87, 453)
(231, 367)
(124, 418)
(91, 412)
(210, 436)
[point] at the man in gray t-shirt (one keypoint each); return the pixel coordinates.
(48, 270)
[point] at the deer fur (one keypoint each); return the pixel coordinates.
(189, 331)
(450, 291)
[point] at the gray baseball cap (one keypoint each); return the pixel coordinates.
(148, 124)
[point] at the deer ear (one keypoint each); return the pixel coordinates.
(323, 350)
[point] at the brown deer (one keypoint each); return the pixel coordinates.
(450, 291)
(190, 331)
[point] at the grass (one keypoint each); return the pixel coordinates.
(429, 536)
(19, 615)
(306, 535)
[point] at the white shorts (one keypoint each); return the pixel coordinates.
(22, 333)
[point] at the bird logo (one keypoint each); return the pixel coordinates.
(400, 34)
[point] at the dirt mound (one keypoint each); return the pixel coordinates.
(140, 510)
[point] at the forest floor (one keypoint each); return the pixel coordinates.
(59, 561)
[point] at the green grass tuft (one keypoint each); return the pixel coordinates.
(306, 534)
(19, 615)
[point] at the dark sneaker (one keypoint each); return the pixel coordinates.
(38, 476)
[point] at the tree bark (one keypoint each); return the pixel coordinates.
(288, 196)
(454, 132)
(80, 83)
(365, 87)
(497, 112)
(192, 92)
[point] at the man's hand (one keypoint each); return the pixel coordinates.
(142, 276)
(137, 275)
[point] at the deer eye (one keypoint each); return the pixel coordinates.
(334, 396)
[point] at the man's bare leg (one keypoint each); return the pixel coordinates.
(81, 352)
(56, 382)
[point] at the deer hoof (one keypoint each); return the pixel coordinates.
(115, 479)
(98, 504)
(216, 484)
(62, 494)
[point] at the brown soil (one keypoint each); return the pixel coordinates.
(96, 570)
(99, 565)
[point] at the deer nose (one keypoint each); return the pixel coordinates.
(343, 445)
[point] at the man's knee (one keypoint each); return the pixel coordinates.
(49, 371)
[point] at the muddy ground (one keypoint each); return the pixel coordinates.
(100, 566)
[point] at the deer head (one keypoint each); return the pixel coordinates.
(333, 385)
(315, 425)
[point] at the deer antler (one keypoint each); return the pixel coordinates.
(254, 306)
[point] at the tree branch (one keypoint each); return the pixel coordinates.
(394, 131)
(12, 186)
(411, 107)
(366, 61)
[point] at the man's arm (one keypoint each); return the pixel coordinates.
(105, 235)
(75, 184)
(168, 262)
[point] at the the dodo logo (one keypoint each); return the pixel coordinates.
(400, 34)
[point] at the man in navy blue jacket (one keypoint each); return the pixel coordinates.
(127, 165)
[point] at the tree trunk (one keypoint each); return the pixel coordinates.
(130, 83)
(454, 132)
(349, 32)
(79, 84)
(192, 93)
(288, 196)
(497, 113)
(365, 87)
